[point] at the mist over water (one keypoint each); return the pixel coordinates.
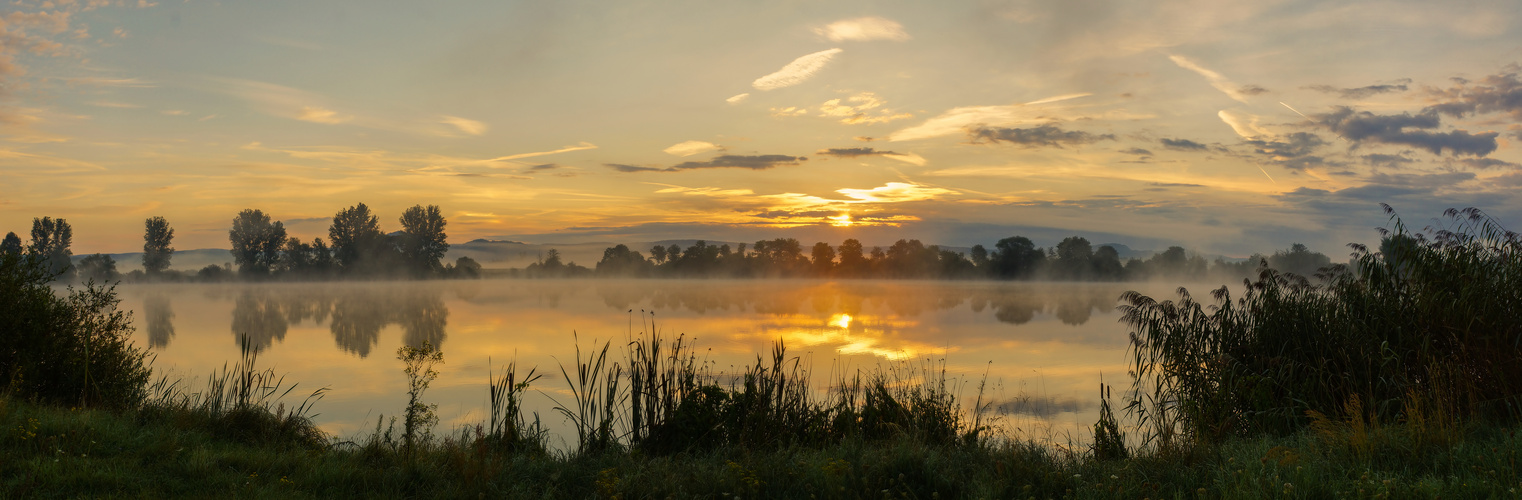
(1043, 346)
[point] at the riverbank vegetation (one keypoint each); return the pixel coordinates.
(1398, 377)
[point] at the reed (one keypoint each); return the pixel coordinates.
(1428, 321)
(241, 401)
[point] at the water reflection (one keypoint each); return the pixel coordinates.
(339, 335)
(160, 320)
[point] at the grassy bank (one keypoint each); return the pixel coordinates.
(51, 451)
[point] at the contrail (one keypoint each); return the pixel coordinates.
(1265, 172)
(1302, 115)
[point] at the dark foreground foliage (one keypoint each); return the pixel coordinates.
(71, 350)
(1426, 329)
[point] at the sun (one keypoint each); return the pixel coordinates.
(842, 220)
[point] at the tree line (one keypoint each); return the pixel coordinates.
(261, 249)
(1013, 258)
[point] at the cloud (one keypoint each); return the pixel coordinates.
(788, 111)
(1293, 151)
(1136, 151)
(861, 110)
(736, 99)
(1045, 135)
(631, 168)
(1217, 80)
(895, 192)
(544, 166)
(1485, 163)
(909, 158)
(957, 120)
(1182, 144)
(113, 104)
(1244, 124)
(796, 72)
(321, 115)
(1499, 93)
(579, 147)
(1363, 126)
(689, 148)
(752, 162)
(465, 125)
(863, 29)
(1361, 92)
(1387, 161)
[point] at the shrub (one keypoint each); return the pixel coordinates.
(70, 350)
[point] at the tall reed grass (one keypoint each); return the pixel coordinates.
(1429, 321)
(240, 401)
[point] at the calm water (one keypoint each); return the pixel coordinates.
(1042, 346)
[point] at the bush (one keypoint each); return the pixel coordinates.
(69, 350)
(1429, 322)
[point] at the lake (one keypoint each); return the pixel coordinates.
(1041, 346)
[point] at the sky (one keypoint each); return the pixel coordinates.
(1225, 127)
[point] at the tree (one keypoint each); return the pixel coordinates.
(466, 267)
(424, 242)
(824, 259)
(1074, 258)
(1015, 257)
(979, 257)
(852, 262)
(11, 245)
(156, 250)
(1299, 260)
(51, 239)
(256, 242)
(1106, 264)
(619, 260)
(99, 268)
(658, 252)
(354, 235)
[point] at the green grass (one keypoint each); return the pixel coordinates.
(53, 452)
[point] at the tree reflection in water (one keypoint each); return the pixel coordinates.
(355, 316)
(160, 320)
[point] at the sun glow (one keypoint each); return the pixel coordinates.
(842, 220)
(842, 321)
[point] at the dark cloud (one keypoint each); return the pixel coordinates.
(1500, 93)
(631, 168)
(1389, 161)
(864, 138)
(1362, 92)
(1363, 126)
(1137, 151)
(1291, 151)
(1484, 163)
(853, 152)
(1182, 144)
(753, 162)
(1176, 184)
(544, 166)
(1251, 90)
(1045, 135)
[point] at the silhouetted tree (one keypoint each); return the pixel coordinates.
(423, 241)
(100, 268)
(823, 258)
(658, 252)
(1015, 257)
(620, 261)
(1299, 260)
(51, 239)
(466, 267)
(1106, 264)
(256, 242)
(157, 236)
(297, 258)
(11, 245)
(355, 235)
(852, 262)
(980, 258)
(1074, 259)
